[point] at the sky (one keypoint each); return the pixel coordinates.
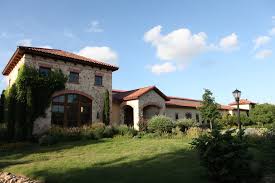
(180, 46)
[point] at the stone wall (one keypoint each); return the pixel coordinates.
(181, 111)
(154, 99)
(13, 74)
(86, 83)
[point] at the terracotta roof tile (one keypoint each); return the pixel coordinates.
(181, 98)
(120, 95)
(242, 102)
(56, 54)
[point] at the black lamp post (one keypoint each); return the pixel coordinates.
(237, 96)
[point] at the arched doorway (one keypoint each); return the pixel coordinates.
(128, 115)
(71, 110)
(149, 111)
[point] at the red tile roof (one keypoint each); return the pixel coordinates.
(242, 102)
(181, 98)
(183, 102)
(120, 95)
(55, 54)
(178, 103)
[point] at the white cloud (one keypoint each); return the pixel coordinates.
(94, 27)
(179, 45)
(229, 43)
(263, 54)
(24, 42)
(260, 41)
(163, 68)
(104, 54)
(272, 32)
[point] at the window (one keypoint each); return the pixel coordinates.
(98, 80)
(44, 71)
(71, 110)
(176, 116)
(197, 118)
(188, 115)
(74, 77)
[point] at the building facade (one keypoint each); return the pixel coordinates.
(81, 102)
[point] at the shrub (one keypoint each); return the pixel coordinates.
(98, 130)
(185, 124)
(3, 132)
(194, 132)
(160, 124)
(142, 125)
(177, 131)
(108, 132)
(125, 130)
(47, 140)
(226, 157)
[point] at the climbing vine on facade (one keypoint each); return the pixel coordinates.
(28, 98)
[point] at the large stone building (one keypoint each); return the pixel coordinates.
(81, 101)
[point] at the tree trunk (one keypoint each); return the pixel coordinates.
(211, 125)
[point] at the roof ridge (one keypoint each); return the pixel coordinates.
(35, 47)
(183, 98)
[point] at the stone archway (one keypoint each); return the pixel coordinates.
(149, 111)
(128, 112)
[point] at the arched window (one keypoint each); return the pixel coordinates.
(71, 110)
(188, 115)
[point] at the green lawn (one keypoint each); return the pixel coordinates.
(108, 160)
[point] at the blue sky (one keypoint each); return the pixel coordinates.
(180, 46)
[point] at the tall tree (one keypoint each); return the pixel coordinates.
(106, 108)
(263, 114)
(209, 108)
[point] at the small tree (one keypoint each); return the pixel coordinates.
(209, 109)
(106, 108)
(263, 114)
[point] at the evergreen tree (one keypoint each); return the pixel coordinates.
(209, 108)
(106, 108)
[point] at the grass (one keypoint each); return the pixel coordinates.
(109, 160)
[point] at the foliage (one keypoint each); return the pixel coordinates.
(226, 157)
(263, 114)
(3, 132)
(195, 132)
(109, 132)
(142, 125)
(95, 131)
(209, 109)
(106, 108)
(160, 124)
(2, 107)
(232, 120)
(98, 130)
(28, 98)
(185, 124)
(125, 130)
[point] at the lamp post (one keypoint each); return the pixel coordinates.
(237, 95)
